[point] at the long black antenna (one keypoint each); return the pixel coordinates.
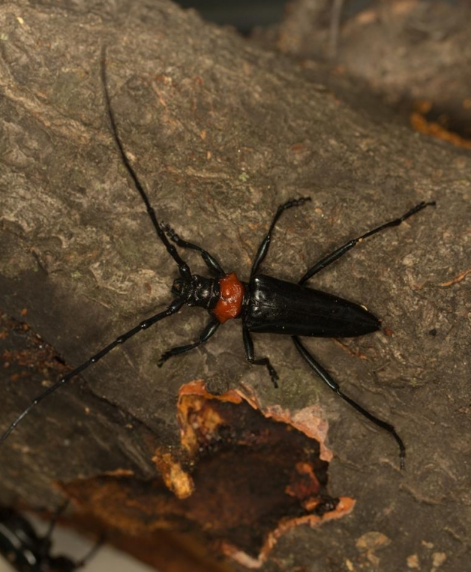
(171, 309)
(182, 265)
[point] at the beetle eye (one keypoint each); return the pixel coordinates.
(177, 287)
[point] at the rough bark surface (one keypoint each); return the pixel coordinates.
(404, 51)
(220, 132)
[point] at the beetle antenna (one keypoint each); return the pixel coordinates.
(182, 265)
(172, 309)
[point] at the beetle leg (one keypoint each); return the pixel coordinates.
(46, 539)
(172, 309)
(91, 553)
(209, 330)
(333, 256)
(209, 259)
(327, 378)
(263, 248)
(249, 352)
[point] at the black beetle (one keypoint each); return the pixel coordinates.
(264, 304)
(26, 551)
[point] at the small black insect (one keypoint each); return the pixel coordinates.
(26, 551)
(264, 304)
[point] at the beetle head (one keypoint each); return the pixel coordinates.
(181, 287)
(199, 291)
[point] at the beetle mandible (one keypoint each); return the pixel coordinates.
(263, 304)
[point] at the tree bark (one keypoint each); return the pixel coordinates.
(221, 131)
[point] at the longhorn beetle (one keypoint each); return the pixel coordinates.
(263, 304)
(26, 551)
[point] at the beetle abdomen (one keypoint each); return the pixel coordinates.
(281, 307)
